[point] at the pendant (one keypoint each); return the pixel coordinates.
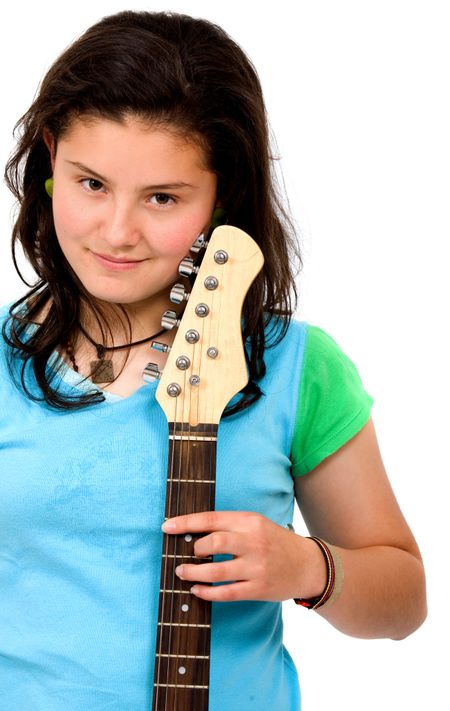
(102, 371)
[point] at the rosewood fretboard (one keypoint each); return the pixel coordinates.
(181, 681)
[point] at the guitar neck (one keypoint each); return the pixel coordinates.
(181, 679)
(205, 368)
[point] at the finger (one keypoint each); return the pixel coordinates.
(230, 592)
(219, 543)
(225, 571)
(207, 521)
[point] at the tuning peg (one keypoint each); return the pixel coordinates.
(151, 373)
(187, 267)
(178, 294)
(169, 320)
(158, 346)
(199, 243)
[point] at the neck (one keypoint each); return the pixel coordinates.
(117, 324)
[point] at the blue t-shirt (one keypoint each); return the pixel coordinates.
(81, 506)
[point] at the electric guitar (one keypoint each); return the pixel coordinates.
(205, 368)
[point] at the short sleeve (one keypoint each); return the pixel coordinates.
(332, 403)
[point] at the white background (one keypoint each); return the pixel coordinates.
(357, 92)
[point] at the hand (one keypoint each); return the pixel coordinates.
(269, 562)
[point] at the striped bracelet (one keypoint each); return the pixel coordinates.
(315, 602)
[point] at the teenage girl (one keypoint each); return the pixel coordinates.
(148, 131)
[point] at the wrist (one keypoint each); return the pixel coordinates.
(314, 576)
(334, 578)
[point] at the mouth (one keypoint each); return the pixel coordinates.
(117, 263)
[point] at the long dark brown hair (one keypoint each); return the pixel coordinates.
(169, 69)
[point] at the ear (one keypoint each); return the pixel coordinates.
(50, 142)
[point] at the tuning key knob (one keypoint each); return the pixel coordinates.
(186, 267)
(199, 243)
(178, 294)
(158, 346)
(169, 320)
(151, 373)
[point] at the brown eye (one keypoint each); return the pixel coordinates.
(94, 185)
(91, 185)
(161, 199)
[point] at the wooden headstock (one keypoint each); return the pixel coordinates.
(199, 392)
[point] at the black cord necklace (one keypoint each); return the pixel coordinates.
(102, 370)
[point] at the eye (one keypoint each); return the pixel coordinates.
(92, 185)
(161, 199)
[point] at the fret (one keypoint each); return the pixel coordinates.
(187, 437)
(188, 557)
(179, 555)
(182, 624)
(177, 592)
(193, 481)
(182, 686)
(183, 656)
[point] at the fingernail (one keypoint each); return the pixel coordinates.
(194, 590)
(178, 571)
(168, 526)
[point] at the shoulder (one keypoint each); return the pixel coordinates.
(318, 349)
(13, 322)
(325, 358)
(332, 402)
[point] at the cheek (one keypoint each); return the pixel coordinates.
(69, 221)
(177, 240)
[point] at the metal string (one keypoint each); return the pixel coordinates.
(213, 340)
(165, 572)
(181, 446)
(211, 465)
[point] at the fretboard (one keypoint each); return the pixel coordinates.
(181, 680)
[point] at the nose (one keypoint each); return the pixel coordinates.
(122, 225)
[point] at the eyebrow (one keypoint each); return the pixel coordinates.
(162, 186)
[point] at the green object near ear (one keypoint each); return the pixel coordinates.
(219, 217)
(49, 187)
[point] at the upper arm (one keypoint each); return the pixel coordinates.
(348, 501)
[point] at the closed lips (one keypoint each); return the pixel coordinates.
(118, 259)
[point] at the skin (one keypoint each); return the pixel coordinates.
(346, 500)
(107, 207)
(105, 201)
(127, 190)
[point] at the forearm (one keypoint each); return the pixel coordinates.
(383, 592)
(383, 595)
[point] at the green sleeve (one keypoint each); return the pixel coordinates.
(332, 404)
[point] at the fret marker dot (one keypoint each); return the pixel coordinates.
(185, 608)
(182, 670)
(188, 537)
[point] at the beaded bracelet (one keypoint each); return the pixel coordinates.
(316, 602)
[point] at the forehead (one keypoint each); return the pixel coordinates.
(99, 133)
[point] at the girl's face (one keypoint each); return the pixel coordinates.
(129, 200)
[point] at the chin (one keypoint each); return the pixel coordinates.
(113, 292)
(136, 300)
